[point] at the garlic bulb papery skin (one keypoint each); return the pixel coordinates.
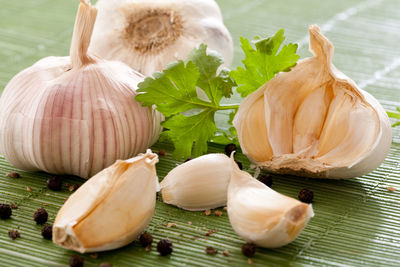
(111, 209)
(261, 215)
(75, 115)
(314, 121)
(198, 184)
(147, 35)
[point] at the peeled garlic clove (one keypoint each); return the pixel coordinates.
(261, 215)
(198, 184)
(75, 115)
(314, 121)
(147, 35)
(111, 209)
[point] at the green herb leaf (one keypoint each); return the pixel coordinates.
(262, 63)
(224, 138)
(395, 115)
(214, 86)
(174, 91)
(186, 130)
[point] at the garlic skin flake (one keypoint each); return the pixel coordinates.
(314, 121)
(199, 184)
(75, 115)
(261, 215)
(111, 209)
(147, 35)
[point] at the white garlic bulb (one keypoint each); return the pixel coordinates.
(261, 215)
(314, 121)
(111, 209)
(147, 35)
(75, 115)
(199, 184)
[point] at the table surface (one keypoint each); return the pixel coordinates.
(357, 221)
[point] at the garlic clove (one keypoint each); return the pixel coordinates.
(111, 209)
(261, 215)
(75, 115)
(314, 121)
(198, 184)
(254, 133)
(147, 35)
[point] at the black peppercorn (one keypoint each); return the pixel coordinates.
(249, 249)
(13, 234)
(47, 231)
(229, 148)
(146, 239)
(239, 164)
(266, 179)
(40, 216)
(54, 183)
(75, 261)
(164, 247)
(5, 211)
(211, 250)
(306, 195)
(14, 175)
(105, 264)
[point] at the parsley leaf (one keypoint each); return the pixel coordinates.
(261, 64)
(174, 92)
(214, 86)
(395, 115)
(186, 130)
(227, 137)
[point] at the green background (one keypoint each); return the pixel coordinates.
(356, 221)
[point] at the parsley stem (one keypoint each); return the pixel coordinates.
(225, 107)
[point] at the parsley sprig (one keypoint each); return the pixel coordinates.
(189, 94)
(174, 91)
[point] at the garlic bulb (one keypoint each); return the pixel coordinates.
(111, 209)
(261, 215)
(147, 35)
(314, 121)
(199, 184)
(75, 115)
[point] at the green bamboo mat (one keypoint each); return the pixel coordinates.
(356, 221)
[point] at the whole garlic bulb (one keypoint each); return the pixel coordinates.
(111, 209)
(314, 121)
(261, 215)
(75, 115)
(147, 35)
(199, 184)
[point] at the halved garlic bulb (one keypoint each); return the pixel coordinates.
(147, 35)
(111, 209)
(75, 115)
(314, 121)
(199, 184)
(261, 215)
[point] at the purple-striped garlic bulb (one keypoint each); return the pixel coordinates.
(75, 115)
